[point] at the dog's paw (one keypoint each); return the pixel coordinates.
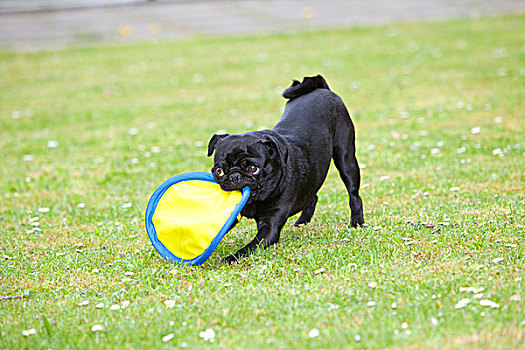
(300, 223)
(230, 259)
(357, 222)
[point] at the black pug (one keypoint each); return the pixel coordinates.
(286, 166)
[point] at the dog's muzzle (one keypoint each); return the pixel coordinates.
(235, 180)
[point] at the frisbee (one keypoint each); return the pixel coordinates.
(189, 214)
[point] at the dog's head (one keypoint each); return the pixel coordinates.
(252, 159)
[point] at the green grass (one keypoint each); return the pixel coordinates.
(436, 218)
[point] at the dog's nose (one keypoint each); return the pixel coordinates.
(235, 178)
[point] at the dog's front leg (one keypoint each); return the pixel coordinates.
(268, 232)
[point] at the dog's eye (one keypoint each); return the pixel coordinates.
(219, 172)
(253, 169)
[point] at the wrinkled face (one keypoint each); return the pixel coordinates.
(246, 160)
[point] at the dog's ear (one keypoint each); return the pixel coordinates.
(276, 148)
(214, 139)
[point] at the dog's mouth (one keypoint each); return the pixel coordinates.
(226, 186)
(239, 187)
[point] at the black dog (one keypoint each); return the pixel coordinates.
(286, 166)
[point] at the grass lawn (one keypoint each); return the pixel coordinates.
(88, 133)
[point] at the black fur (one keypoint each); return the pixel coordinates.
(309, 84)
(293, 160)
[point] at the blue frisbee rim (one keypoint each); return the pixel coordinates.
(152, 205)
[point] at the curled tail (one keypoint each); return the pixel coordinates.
(309, 84)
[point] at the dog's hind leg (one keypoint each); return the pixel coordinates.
(306, 215)
(346, 163)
